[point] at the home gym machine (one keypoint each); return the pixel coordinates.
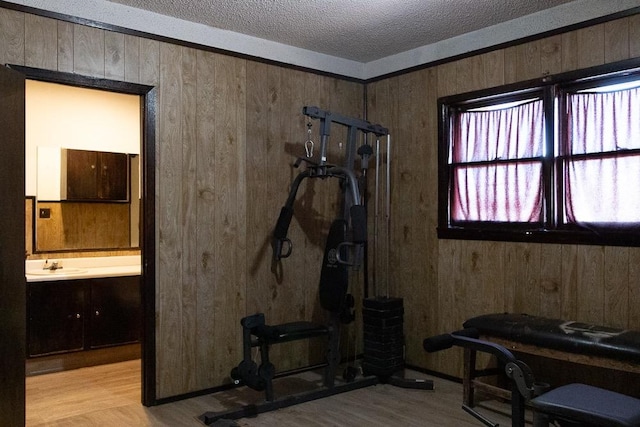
(345, 251)
(572, 405)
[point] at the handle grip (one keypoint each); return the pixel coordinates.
(445, 341)
(280, 234)
(438, 343)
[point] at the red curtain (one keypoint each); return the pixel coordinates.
(496, 167)
(603, 187)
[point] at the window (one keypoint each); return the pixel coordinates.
(496, 164)
(599, 157)
(548, 161)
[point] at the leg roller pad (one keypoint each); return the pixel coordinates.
(590, 405)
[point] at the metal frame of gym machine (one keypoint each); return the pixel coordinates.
(353, 206)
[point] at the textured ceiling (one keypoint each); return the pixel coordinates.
(360, 30)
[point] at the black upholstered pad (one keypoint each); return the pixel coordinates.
(569, 336)
(592, 405)
(289, 331)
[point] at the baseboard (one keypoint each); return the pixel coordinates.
(82, 359)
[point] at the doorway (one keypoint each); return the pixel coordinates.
(82, 168)
(146, 190)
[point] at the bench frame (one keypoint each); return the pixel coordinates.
(472, 375)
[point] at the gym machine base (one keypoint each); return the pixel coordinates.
(209, 418)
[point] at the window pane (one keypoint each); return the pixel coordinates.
(600, 122)
(603, 190)
(503, 192)
(509, 133)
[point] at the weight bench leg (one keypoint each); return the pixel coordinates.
(468, 377)
(517, 407)
(266, 371)
(540, 420)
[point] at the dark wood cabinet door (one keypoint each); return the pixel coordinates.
(56, 316)
(114, 172)
(82, 174)
(116, 311)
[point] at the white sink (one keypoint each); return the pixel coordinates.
(58, 272)
(82, 268)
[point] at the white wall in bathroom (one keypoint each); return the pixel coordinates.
(60, 116)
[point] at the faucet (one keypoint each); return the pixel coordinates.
(55, 265)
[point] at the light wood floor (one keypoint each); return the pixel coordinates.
(109, 395)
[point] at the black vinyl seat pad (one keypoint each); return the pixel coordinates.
(289, 331)
(593, 405)
(568, 336)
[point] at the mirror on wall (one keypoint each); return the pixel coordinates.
(82, 167)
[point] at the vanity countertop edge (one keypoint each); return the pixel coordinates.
(83, 268)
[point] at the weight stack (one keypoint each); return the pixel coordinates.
(383, 324)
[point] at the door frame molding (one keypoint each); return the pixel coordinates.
(12, 244)
(148, 235)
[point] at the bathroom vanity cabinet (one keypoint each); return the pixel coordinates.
(83, 314)
(94, 175)
(56, 313)
(116, 311)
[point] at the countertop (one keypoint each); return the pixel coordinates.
(83, 268)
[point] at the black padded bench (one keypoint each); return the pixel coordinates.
(570, 341)
(577, 405)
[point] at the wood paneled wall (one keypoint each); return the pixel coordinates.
(83, 225)
(445, 282)
(227, 133)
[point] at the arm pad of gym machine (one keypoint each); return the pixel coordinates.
(280, 233)
(282, 226)
(359, 223)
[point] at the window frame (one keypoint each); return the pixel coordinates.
(533, 94)
(552, 89)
